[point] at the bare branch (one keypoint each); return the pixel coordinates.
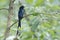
(13, 23)
(4, 9)
(17, 20)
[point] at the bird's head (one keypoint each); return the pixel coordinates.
(22, 7)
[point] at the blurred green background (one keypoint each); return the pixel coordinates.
(43, 24)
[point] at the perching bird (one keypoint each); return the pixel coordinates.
(20, 16)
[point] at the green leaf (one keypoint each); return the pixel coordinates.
(59, 0)
(46, 24)
(35, 14)
(51, 1)
(39, 2)
(42, 36)
(2, 0)
(53, 33)
(4, 3)
(29, 1)
(56, 7)
(35, 23)
(27, 35)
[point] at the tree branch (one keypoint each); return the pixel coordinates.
(13, 23)
(4, 9)
(17, 20)
(6, 34)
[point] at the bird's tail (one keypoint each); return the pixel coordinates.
(19, 23)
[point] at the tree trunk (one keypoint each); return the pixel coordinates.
(9, 19)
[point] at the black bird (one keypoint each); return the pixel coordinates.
(20, 16)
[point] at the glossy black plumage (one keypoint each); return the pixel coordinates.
(20, 15)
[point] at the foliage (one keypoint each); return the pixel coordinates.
(43, 24)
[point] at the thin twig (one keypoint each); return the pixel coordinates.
(17, 20)
(3, 9)
(14, 23)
